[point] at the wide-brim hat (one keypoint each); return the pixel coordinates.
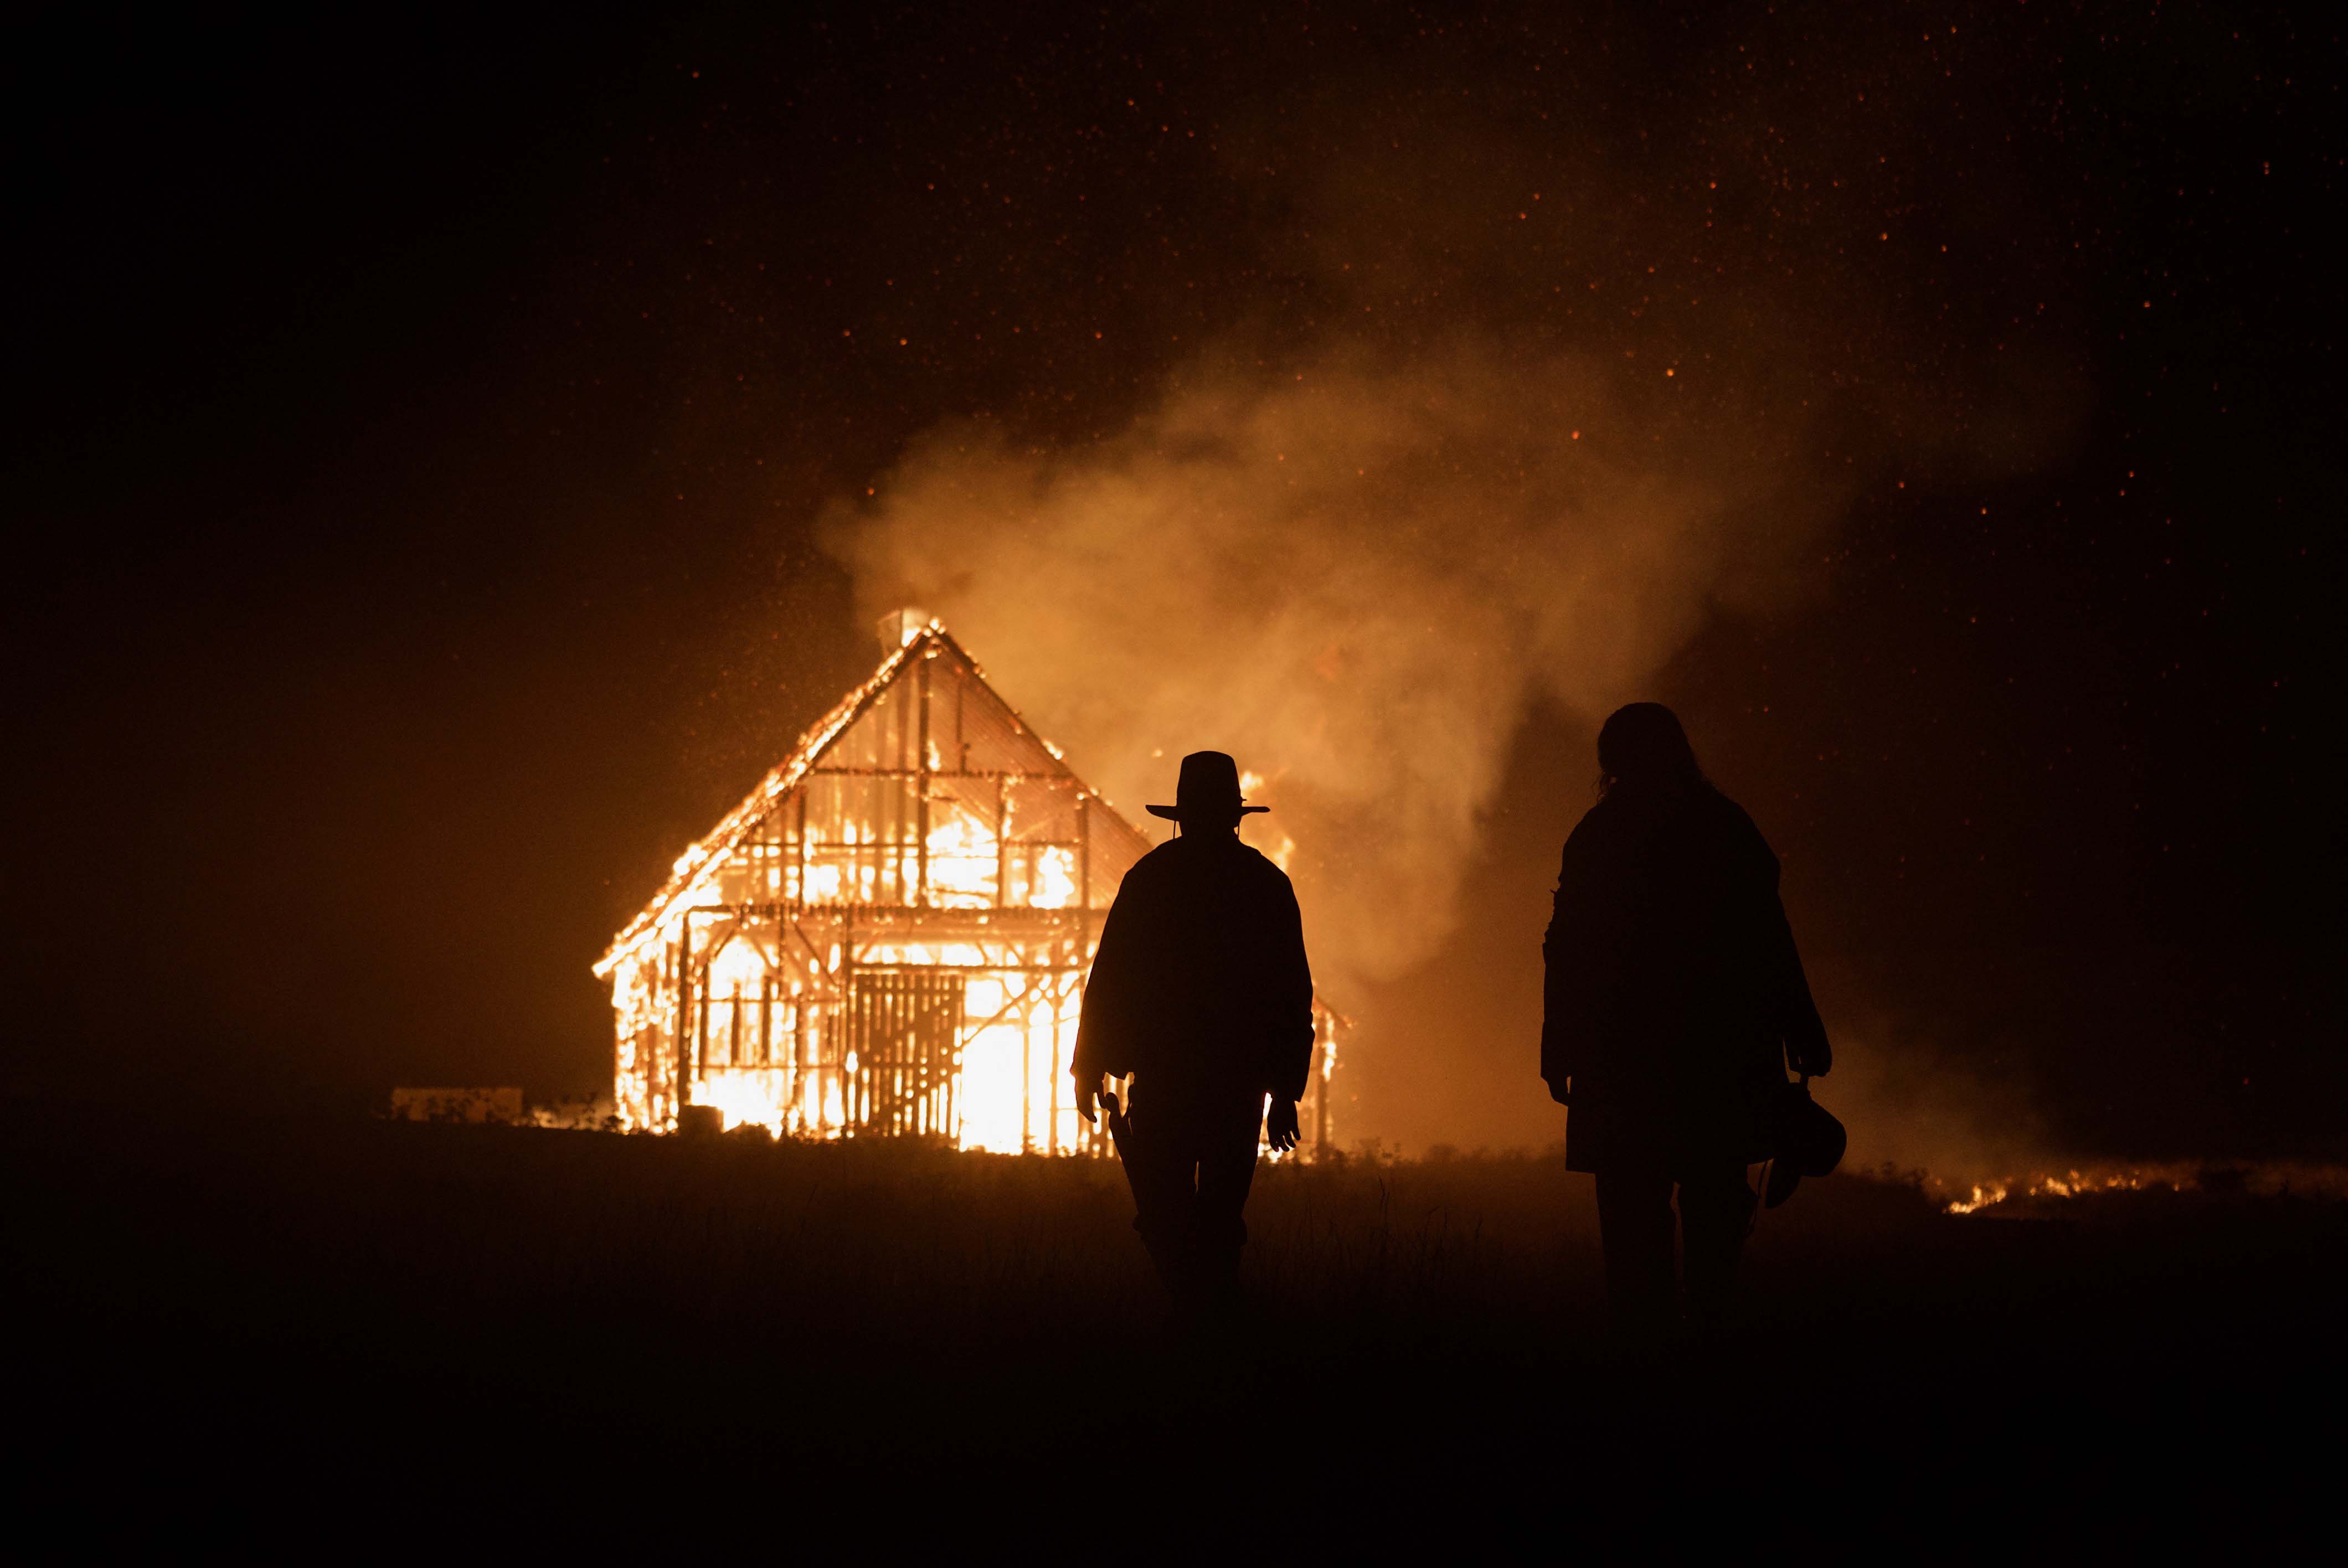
(1209, 788)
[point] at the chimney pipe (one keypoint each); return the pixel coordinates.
(900, 627)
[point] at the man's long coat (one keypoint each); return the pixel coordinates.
(1674, 987)
(1200, 983)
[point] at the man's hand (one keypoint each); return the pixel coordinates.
(1561, 1091)
(1811, 1058)
(1087, 1095)
(1280, 1128)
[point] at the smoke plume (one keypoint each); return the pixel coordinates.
(1503, 426)
(1355, 579)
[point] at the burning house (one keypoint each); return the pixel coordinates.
(890, 936)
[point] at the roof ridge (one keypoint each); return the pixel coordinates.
(779, 781)
(690, 868)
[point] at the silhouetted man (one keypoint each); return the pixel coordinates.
(1200, 990)
(1675, 1002)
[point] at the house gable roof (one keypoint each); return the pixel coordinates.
(694, 876)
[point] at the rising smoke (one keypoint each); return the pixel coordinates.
(1355, 579)
(1544, 419)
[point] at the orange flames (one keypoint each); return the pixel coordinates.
(2266, 1179)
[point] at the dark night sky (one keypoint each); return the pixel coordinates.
(424, 424)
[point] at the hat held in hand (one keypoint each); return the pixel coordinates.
(1810, 1141)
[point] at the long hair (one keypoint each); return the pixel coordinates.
(1643, 742)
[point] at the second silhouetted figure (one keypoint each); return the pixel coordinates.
(1675, 1003)
(1202, 992)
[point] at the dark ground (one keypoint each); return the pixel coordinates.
(730, 1341)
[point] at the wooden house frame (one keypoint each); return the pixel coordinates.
(889, 936)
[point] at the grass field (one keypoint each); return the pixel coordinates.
(846, 1340)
